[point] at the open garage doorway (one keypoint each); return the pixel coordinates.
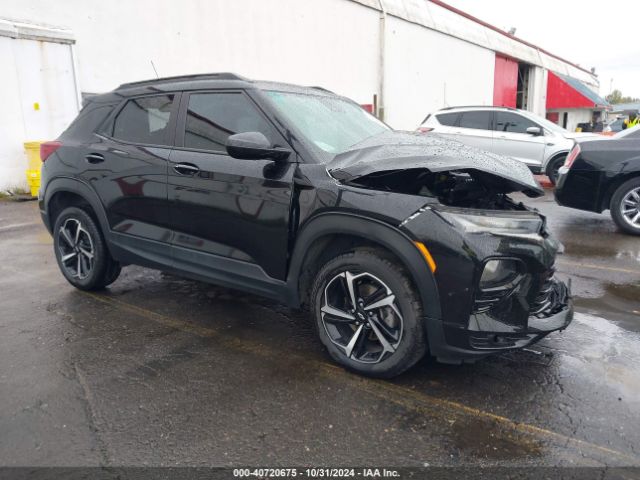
(512, 83)
(522, 93)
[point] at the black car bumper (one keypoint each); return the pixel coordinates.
(45, 220)
(479, 318)
(455, 345)
(579, 189)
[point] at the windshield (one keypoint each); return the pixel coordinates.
(633, 132)
(330, 124)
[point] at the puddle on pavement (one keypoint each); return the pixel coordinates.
(608, 354)
(588, 250)
(612, 249)
(484, 440)
(630, 292)
(475, 437)
(620, 301)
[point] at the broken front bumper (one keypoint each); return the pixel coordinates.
(475, 320)
(552, 312)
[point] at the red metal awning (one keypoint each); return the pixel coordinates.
(567, 92)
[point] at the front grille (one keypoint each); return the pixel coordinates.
(493, 341)
(550, 300)
(487, 298)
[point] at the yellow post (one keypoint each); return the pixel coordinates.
(33, 171)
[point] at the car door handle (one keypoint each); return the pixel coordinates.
(186, 169)
(94, 158)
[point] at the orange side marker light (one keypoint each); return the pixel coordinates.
(427, 255)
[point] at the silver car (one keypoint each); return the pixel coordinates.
(531, 139)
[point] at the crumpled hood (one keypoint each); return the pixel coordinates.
(395, 150)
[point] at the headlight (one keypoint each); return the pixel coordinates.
(498, 272)
(506, 223)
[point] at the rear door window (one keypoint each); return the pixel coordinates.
(213, 116)
(144, 120)
(477, 120)
(513, 123)
(447, 119)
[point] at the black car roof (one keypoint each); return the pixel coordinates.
(209, 80)
(182, 79)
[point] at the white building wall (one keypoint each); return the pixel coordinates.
(332, 43)
(426, 70)
(13, 163)
(574, 117)
(39, 96)
(433, 57)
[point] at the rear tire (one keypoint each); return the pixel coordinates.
(625, 206)
(378, 341)
(553, 167)
(81, 252)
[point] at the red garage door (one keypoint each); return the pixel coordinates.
(505, 83)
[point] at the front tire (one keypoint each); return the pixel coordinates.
(368, 313)
(553, 168)
(81, 252)
(625, 206)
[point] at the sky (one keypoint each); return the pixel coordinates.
(591, 33)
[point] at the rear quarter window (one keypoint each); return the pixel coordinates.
(88, 121)
(447, 119)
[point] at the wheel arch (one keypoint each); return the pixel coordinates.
(561, 153)
(344, 229)
(65, 192)
(613, 185)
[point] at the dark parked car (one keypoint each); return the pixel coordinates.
(398, 244)
(604, 174)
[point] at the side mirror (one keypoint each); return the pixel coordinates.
(254, 146)
(535, 131)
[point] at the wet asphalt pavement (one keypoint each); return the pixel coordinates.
(158, 370)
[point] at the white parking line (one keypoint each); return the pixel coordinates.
(16, 225)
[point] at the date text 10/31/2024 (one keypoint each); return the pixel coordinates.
(315, 472)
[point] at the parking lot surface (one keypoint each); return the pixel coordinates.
(158, 370)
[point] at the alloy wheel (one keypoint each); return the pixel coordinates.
(75, 247)
(361, 316)
(630, 207)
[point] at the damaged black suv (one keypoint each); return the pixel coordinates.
(398, 244)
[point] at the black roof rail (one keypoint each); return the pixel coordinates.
(478, 106)
(178, 78)
(321, 88)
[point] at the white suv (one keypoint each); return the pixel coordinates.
(533, 140)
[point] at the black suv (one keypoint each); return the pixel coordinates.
(399, 244)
